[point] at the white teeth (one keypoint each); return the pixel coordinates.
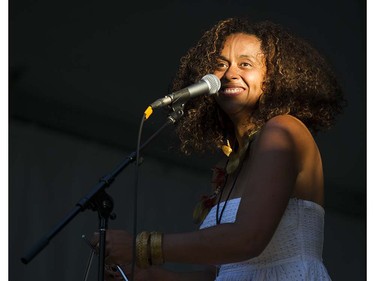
(232, 90)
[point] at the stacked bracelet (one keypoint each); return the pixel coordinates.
(142, 249)
(149, 250)
(156, 248)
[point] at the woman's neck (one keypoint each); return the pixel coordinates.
(242, 125)
(242, 133)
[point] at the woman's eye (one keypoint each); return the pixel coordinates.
(245, 64)
(221, 65)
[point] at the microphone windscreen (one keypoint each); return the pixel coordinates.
(213, 83)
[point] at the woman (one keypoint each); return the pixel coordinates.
(276, 91)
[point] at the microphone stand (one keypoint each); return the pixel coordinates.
(98, 200)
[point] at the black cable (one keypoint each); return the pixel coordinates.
(135, 212)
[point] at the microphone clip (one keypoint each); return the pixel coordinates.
(176, 111)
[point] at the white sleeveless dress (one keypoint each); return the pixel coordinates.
(294, 252)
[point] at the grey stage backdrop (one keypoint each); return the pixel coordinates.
(81, 75)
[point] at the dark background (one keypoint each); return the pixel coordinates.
(81, 73)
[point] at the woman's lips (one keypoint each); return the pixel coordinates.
(231, 91)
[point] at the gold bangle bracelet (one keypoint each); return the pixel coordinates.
(142, 250)
(156, 248)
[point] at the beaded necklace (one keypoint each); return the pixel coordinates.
(207, 202)
(218, 218)
(220, 177)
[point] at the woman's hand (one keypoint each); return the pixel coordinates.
(118, 249)
(149, 274)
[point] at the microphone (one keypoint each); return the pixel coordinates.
(209, 84)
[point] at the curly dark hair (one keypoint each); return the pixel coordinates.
(298, 82)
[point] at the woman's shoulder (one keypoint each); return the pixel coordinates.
(285, 129)
(287, 122)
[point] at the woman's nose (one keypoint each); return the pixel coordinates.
(231, 73)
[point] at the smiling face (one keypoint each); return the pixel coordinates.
(241, 69)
